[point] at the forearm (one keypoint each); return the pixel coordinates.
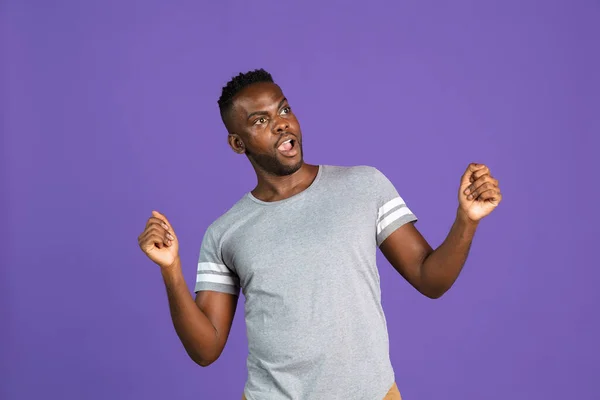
(196, 332)
(441, 268)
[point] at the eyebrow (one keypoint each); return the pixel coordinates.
(255, 113)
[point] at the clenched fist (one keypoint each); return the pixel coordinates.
(479, 192)
(158, 241)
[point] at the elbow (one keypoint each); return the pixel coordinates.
(202, 352)
(203, 361)
(434, 293)
(434, 288)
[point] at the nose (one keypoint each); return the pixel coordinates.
(280, 125)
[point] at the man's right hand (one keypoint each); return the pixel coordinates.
(158, 241)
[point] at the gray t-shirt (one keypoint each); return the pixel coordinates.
(307, 267)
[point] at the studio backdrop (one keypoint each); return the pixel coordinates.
(109, 110)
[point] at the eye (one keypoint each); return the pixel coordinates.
(286, 110)
(261, 120)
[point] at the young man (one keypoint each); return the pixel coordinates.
(302, 248)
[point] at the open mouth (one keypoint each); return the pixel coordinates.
(288, 148)
(287, 145)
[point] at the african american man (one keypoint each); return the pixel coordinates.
(302, 247)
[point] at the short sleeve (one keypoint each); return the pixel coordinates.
(392, 210)
(212, 273)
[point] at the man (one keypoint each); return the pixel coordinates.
(302, 248)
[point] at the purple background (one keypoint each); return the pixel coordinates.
(109, 111)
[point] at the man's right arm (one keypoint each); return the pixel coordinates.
(202, 325)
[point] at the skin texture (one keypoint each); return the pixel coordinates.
(433, 272)
(260, 119)
(202, 325)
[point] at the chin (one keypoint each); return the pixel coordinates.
(275, 165)
(289, 169)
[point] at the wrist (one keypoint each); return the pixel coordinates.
(173, 268)
(463, 218)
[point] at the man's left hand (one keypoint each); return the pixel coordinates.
(479, 193)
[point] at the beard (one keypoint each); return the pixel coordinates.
(271, 164)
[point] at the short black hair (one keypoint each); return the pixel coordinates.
(239, 82)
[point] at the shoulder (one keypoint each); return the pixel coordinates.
(355, 172)
(367, 177)
(229, 218)
(369, 180)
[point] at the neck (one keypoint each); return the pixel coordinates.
(274, 188)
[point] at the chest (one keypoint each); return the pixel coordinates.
(303, 243)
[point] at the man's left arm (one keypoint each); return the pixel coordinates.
(433, 272)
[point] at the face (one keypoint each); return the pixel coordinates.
(262, 125)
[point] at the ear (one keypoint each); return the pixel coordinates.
(236, 143)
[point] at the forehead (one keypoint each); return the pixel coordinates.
(257, 97)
